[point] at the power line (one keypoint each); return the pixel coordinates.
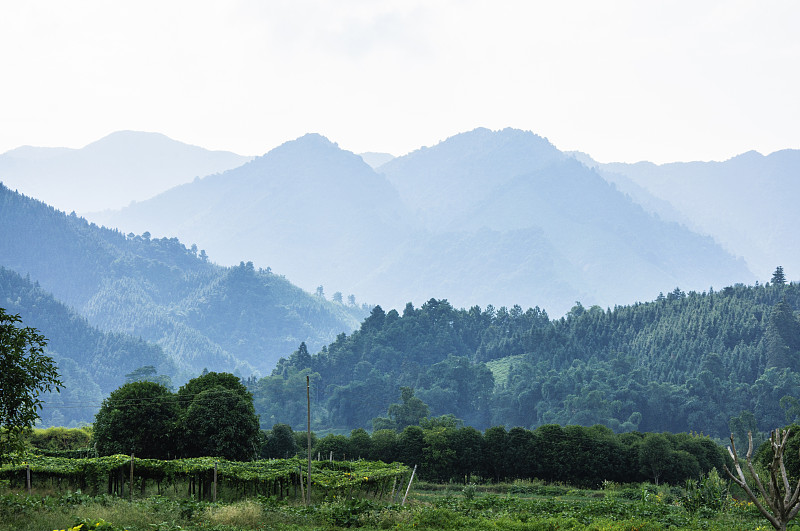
(180, 399)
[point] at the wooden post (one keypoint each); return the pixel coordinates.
(409, 484)
(131, 486)
(308, 400)
(28, 478)
(215, 481)
(302, 490)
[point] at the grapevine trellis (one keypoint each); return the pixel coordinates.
(196, 476)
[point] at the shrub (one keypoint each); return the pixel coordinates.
(710, 493)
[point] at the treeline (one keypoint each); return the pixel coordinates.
(576, 455)
(704, 362)
(444, 452)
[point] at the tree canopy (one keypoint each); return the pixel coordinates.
(140, 418)
(211, 415)
(25, 373)
(682, 362)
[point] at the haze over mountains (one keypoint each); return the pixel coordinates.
(484, 217)
(747, 202)
(498, 218)
(110, 173)
(239, 319)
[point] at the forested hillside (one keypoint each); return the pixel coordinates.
(91, 363)
(685, 361)
(237, 319)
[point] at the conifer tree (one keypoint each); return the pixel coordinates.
(778, 278)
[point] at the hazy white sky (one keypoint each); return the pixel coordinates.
(620, 80)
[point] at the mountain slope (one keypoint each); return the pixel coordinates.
(442, 182)
(485, 217)
(110, 173)
(606, 246)
(307, 208)
(746, 203)
(598, 230)
(91, 363)
(682, 362)
(236, 319)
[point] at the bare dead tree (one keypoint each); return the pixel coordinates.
(782, 504)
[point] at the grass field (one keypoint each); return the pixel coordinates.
(518, 506)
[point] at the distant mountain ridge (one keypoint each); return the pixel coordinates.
(238, 319)
(305, 206)
(747, 203)
(91, 363)
(112, 172)
(439, 222)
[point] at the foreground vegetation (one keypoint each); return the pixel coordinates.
(520, 505)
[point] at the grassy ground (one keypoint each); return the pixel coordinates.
(516, 506)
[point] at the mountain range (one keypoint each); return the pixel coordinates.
(484, 217)
(747, 202)
(500, 219)
(110, 173)
(238, 319)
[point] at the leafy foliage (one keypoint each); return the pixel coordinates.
(212, 415)
(265, 476)
(25, 372)
(683, 362)
(138, 418)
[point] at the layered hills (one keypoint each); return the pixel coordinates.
(746, 202)
(485, 217)
(91, 363)
(492, 221)
(239, 319)
(110, 173)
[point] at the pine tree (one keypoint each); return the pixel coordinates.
(778, 278)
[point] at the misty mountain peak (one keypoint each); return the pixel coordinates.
(111, 172)
(311, 153)
(463, 169)
(130, 141)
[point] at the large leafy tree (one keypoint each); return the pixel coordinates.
(210, 380)
(655, 455)
(212, 415)
(220, 422)
(25, 373)
(218, 418)
(139, 418)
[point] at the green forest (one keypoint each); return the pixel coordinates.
(711, 363)
(110, 303)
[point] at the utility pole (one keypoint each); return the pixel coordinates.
(308, 400)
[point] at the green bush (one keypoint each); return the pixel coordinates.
(710, 494)
(347, 513)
